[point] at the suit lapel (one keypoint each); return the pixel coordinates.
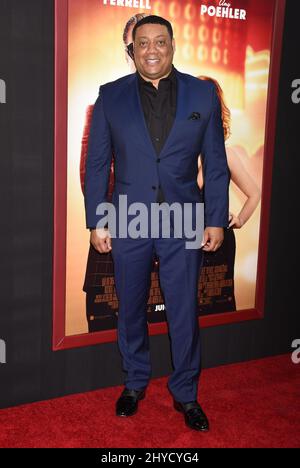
(180, 110)
(137, 113)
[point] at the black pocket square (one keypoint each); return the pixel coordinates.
(194, 116)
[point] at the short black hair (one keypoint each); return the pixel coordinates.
(153, 19)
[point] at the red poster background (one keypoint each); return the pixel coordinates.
(60, 340)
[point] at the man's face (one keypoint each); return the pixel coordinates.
(153, 51)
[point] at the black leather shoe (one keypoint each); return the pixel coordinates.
(127, 404)
(194, 416)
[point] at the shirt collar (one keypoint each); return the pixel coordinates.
(171, 77)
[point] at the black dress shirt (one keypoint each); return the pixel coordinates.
(159, 106)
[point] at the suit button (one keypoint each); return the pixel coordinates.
(158, 160)
(153, 187)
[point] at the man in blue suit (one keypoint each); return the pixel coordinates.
(156, 122)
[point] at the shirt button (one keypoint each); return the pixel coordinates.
(156, 139)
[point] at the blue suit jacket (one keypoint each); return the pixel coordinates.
(118, 127)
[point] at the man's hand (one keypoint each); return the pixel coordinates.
(101, 240)
(212, 238)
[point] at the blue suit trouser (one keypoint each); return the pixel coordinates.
(179, 270)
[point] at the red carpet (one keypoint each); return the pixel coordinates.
(254, 404)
